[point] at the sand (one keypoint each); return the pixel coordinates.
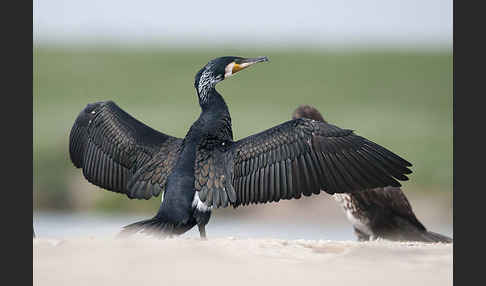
(235, 261)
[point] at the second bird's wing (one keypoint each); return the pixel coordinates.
(298, 157)
(119, 153)
(390, 199)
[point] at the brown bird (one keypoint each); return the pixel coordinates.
(383, 212)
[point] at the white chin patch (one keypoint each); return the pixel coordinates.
(228, 70)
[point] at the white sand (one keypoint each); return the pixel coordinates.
(231, 261)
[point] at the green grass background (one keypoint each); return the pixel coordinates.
(401, 100)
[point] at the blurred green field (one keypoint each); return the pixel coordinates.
(401, 100)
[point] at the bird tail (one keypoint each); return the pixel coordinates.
(153, 227)
(425, 236)
(156, 226)
(437, 237)
(412, 232)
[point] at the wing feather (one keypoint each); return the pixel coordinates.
(300, 157)
(119, 153)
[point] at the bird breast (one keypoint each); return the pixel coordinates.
(352, 211)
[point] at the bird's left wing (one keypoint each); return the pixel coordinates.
(300, 156)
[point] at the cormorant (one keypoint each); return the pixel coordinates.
(207, 169)
(383, 212)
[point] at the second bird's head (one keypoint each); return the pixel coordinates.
(219, 69)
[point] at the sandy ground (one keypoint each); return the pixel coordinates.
(233, 261)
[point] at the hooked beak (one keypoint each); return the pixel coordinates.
(241, 64)
(251, 61)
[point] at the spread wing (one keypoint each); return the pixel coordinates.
(390, 199)
(119, 153)
(298, 157)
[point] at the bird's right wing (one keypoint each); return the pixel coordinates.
(119, 153)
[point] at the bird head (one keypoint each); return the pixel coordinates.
(307, 111)
(219, 69)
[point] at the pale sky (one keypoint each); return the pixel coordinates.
(251, 22)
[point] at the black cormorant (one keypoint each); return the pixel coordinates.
(383, 212)
(207, 169)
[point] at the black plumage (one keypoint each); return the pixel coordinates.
(208, 169)
(383, 212)
(119, 153)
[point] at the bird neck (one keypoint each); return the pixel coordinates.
(211, 100)
(215, 120)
